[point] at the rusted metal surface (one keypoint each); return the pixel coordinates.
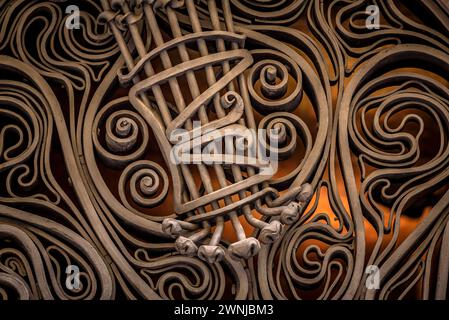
(91, 120)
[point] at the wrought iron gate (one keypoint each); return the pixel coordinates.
(224, 149)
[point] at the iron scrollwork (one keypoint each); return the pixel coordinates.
(170, 149)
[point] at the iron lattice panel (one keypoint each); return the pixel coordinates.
(357, 118)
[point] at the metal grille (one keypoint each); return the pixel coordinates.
(224, 149)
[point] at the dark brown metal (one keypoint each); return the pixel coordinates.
(91, 121)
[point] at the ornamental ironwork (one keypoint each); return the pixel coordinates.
(168, 149)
